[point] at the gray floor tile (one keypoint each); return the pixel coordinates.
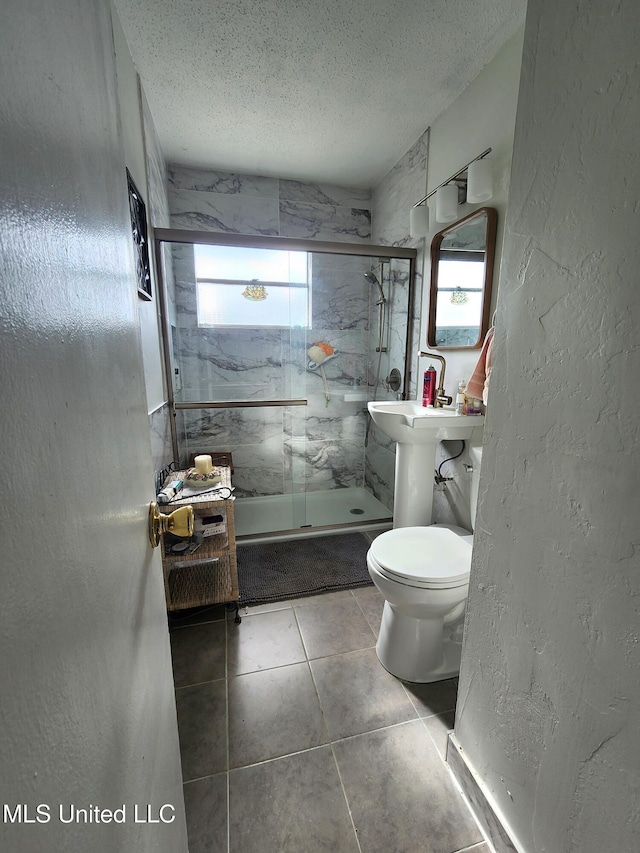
(434, 698)
(198, 653)
(202, 726)
(334, 626)
(439, 727)
(206, 805)
(371, 603)
(358, 695)
(291, 805)
(273, 713)
(263, 641)
(401, 796)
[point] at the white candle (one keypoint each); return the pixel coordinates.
(203, 464)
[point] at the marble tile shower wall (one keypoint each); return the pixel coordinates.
(280, 449)
(203, 200)
(276, 450)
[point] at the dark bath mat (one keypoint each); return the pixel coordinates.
(276, 571)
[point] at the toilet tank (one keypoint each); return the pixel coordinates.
(475, 454)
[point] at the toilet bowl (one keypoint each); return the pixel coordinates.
(423, 575)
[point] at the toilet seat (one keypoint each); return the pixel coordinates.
(434, 557)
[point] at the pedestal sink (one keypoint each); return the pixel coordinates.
(417, 431)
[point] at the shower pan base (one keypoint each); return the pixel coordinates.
(278, 517)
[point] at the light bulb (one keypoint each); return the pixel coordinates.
(479, 181)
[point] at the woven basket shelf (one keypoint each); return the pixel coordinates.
(205, 582)
(208, 573)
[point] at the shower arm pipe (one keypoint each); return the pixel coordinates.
(452, 178)
(239, 404)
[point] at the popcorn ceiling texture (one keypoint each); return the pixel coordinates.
(549, 703)
(316, 91)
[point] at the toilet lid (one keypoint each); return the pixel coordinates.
(431, 555)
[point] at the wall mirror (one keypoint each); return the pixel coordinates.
(462, 258)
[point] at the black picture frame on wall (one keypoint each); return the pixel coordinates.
(140, 239)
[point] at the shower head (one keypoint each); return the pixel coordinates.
(372, 278)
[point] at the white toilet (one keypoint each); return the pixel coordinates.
(423, 575)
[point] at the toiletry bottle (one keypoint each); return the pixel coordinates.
(460, 397)
(169, 491)
(429, 386)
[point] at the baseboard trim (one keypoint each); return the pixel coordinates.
(484, 813)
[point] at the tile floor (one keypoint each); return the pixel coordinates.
(294, 738)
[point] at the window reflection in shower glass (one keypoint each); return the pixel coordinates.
(255, 288)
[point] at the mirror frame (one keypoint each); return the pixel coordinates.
(489, 258)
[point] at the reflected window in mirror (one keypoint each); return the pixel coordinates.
(462, 257)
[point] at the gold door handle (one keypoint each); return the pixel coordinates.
(180, 523)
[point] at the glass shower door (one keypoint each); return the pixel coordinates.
(273, 354)
(238, 319)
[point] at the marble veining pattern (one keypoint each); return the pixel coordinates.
(225, 183)
(322, 442)
(380, 466)
(398, 191)
(339, 300)
(325, 194)
(320, 465)
(319, 421)
(233, 214)
(324, 222)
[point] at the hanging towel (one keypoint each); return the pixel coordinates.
(478, 385)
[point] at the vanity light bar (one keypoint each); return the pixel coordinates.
(452, 178)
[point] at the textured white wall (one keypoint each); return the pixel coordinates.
(134, 149)
(549, 703)
(482, 117)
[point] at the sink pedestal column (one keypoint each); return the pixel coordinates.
(413, 499)
(417, 431)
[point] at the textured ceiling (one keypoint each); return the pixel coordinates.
(326, 91)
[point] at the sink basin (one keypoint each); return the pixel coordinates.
(408, 422)
(417, 431)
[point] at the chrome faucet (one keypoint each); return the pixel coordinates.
(441, 399)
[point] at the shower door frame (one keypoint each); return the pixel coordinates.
(258, 241)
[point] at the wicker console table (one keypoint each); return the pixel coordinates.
(205, 573)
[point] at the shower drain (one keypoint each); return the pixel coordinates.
(356, 511)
